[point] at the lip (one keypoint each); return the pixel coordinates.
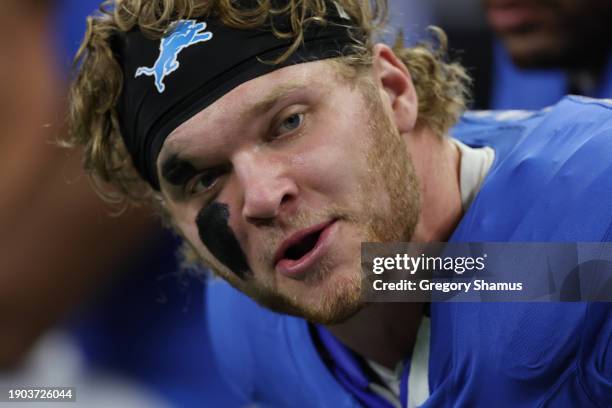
(509, 15)
(296, 268)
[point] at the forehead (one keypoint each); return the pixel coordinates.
(253, 99)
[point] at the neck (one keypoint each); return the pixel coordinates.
(382, 332)
(386, 332)
(436, 162)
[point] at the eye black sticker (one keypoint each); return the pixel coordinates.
(216, 234)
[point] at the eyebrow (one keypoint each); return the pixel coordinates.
(274, 96)
(177, 171)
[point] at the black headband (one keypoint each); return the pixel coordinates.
(168, 81)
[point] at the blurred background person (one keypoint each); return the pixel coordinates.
(528, 54)
(549, 48)
(86, 299)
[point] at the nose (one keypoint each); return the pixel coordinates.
(268, 190)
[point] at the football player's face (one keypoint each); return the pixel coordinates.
(541, 33)
(278, 182)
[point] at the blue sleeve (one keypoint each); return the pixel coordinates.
(225, 313)
(268, 358)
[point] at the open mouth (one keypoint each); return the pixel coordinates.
(300, 250)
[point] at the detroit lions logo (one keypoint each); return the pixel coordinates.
(185, 33)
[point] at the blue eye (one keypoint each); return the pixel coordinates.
(291, 123)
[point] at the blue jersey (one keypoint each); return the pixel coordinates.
(551, 181)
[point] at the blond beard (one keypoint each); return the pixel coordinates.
(391, 167)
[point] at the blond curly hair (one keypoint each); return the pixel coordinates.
(93, 122)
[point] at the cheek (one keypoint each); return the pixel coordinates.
(337, 167)
(216, 234)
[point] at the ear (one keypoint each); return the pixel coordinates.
(393, 77)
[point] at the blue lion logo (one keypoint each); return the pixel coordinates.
(184, 34)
